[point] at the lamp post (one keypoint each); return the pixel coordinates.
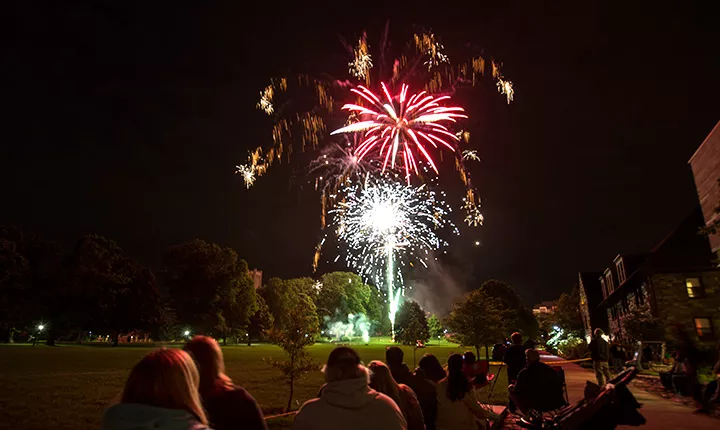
(40, 328)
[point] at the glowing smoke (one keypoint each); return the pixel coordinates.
(356, 326)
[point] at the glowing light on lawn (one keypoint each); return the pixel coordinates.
(401, 127)
(386, 225)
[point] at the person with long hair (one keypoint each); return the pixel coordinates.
(161, 393)
(381, 380)
(346, 401)
(457, 407)
(228, 406)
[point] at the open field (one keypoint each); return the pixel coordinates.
(67, 387)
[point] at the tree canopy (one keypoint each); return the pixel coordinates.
(411, 324)
(519, 316)
(477, 319)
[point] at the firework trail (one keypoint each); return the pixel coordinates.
(385, 226)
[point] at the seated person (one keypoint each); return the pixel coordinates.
(476, 371)
(538, 386)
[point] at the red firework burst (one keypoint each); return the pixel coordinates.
(402, 126)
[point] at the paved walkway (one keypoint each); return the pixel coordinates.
(660, 413)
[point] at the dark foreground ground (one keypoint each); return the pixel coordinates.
(69, 386)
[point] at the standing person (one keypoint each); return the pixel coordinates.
(600, 355)
(516, 361)
(228, 406)
(430, 369)
(161, 393)
(515, 357)
(381, 380)
(618, 357)
(457, 407)
(346, 400)
(424, 390)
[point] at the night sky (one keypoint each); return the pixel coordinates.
(127, 121)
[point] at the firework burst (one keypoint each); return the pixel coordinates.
(402, 126)
(386, 226)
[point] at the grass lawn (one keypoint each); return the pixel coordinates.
(68, 386)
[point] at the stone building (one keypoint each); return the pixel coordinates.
(678, 282)
(705, 164)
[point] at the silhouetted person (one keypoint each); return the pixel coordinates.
(538, 386)
(347, 402)
(618, 356)
(515, 357)
(228, 406)
(381, 380)
(161, 393)
(423, 389)
(457, 407)
(429, 368)
(600, 354)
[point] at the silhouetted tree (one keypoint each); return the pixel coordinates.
(477, 319)
(210, 288)
(519, 316)
(411, 324)
(298, 331)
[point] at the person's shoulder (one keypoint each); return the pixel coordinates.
(406, 390)
(237, 392)
(380, 400)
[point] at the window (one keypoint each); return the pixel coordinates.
(609, 281)
(694, 288)
(620, 265)
(604, 288)
(703, 327)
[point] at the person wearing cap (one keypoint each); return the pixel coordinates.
(347, 401)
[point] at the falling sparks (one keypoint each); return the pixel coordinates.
(386, 225)
(470, 154)
(401, 127)
(361, 65)
(248, 174)
(506, 88)
(427, 44)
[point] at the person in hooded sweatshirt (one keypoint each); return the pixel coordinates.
(347, 402)
(381, 380)
(227, 405)
(161, 393)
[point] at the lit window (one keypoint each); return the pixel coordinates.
(703, 327)
(694, 288)
(604, 288)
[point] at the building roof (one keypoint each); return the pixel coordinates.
(684, 249)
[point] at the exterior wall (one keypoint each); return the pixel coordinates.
(673, 306)
(631, 301)
(705, 164)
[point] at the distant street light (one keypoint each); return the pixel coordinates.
(41, 327)
(187, 332)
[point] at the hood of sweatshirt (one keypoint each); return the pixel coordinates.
(348, 394)
(135, 416)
